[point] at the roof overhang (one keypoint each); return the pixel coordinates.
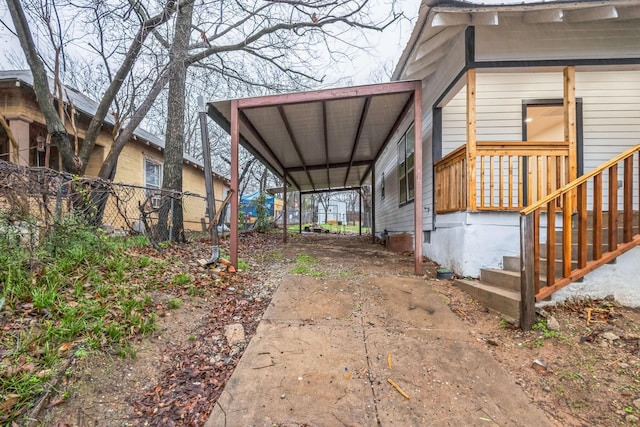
(324, 139)
(441, 22)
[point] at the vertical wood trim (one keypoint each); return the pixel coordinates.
(501, 183)
(628, 199)
(491, 183)
(482, 180)
(536, 251)
(471, 137)
(613, 207)
(527, 293)
(510, 204)
(417, 177)
(570, 135)
(551, 242)
(566, 234)
(597, 216)
(582, 225)
(235, 139)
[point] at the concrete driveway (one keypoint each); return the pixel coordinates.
(327, 347)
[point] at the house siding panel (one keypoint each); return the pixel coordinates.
(558, 41)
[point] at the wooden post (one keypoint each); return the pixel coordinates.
(235, 138)
(527, 265)
(570, 135)
(417, 177)
(208, 177)
(471, 137)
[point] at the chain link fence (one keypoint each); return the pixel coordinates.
(40, 196)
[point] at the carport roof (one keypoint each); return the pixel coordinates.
(320, 140)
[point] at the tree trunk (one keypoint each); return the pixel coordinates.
(55, 126)
(174, 140)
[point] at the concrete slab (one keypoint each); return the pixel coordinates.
(320, 358)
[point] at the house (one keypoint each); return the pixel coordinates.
(249, 203)
(505, 133)
(140, 163)
(334, 212)
(520, 100)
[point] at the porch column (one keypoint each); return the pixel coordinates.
(471, 138)
(284, 211)
(570, 136)
(20, 129)
(373, 202)
(235, 137)
(417, 176)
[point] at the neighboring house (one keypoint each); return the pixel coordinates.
(249, 206)
(519, 100)
(334, 213)
(140, 162)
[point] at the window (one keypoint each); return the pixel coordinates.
(152, 174)
(406, 165)
(382, 186)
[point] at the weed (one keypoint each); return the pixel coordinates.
(174, 303)
(181, 279)
(242, 265)
(305, 266)
(144, 261)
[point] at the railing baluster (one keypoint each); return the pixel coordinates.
(501, 185)
(582, 225)
(481, 181)
(551, 243)
(566, 235)
(597, 216)
(491, 172)
(628, 200)
(536, 250)
(613, 207)
(549, 175)
(510, 181)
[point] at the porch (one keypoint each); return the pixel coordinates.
(559, 226)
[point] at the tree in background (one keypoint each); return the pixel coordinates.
(237, 48)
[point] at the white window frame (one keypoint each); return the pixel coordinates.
(406, 167)
(154, 163)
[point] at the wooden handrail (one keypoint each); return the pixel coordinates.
(451, 157)
(579, 257)
(575, 183)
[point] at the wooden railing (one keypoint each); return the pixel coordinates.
(587, 233)
(451, 181)
(501, 168)
(499, 178)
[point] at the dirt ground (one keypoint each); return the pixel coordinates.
(585, 373)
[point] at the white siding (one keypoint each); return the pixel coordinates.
(558, 41)
(499, 99)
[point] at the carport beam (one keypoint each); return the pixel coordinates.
(235, 137)
(417, 178)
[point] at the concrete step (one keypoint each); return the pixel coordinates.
(494, 298)
(574, 250)
(508, 280)
(511, 263)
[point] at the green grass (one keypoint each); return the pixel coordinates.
(174, 303)
(306, 265)
(78, 298)
(181, 279)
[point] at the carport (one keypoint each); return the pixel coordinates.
(323, 140)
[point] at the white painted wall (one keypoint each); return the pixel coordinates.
(469, 241)
(619, 279)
